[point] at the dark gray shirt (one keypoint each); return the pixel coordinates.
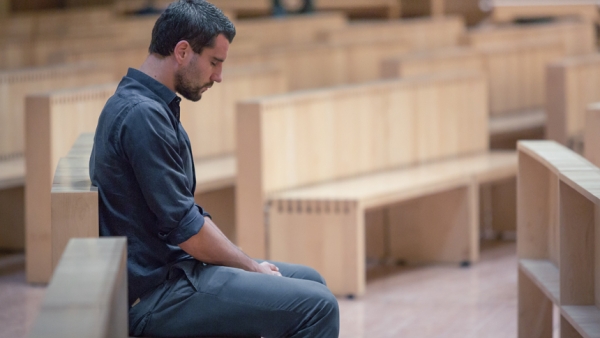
(143, 167)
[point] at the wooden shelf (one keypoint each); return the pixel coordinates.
(545, 275)
(12, 173)
(585, 319)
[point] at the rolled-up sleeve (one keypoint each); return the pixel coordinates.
(150, 142)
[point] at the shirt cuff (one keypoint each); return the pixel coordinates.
(189, 226)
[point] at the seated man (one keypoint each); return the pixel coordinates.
(185, 277)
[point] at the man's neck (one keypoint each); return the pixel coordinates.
(161, 69)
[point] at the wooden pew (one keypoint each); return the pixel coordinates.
(516, 74)
(511, 10)
(312, 163)
(87, 296)
(572, 84)
(341, 60)
(55, 119)
(578, 37)
(361, 8)
(556, 247)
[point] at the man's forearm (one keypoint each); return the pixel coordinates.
(211, 246)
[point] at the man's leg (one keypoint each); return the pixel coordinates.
(209, 300)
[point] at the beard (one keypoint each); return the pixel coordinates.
(186, 87)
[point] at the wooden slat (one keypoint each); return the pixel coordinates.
(585, 319)
(545, 275)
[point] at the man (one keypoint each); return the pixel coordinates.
(185, 277)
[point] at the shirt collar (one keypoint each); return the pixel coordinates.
(166, 94)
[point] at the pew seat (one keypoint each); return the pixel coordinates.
(319, 225)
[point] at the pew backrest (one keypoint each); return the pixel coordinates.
(578, 37)
(16, 85)
(510, 10)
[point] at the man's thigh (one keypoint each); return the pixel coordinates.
(207, 300)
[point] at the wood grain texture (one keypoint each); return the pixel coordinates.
(535, 309)
(578, 38)
(573, 84)
(88, 293)
(591, 137)
(16, 85)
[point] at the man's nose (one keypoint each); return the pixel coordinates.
(216, 77)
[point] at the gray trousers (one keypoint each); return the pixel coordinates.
(206, 300)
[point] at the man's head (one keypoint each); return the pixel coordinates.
(197, 35)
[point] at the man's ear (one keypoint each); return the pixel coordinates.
(182, 52)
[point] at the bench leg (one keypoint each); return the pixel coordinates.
(443, 227)
(12, 219)
(327, 236)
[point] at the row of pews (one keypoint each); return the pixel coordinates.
(337, 141)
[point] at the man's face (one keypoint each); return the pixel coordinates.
(202, 70)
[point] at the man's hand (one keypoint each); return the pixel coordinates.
(268, 268)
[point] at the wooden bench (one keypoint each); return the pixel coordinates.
(516, 74)
(557, 216)
(572, 84)
(512, 10)
(311, 164)
(87, 296)
(578, 37)
(55, 119)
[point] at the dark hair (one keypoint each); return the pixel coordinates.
(196, 21)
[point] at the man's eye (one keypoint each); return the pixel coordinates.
(213, 63)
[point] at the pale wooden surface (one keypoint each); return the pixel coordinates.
(591, 137)
(87, 296)
(572, 84)
(571, 281)
(510, 10)
(16, 85)
(389, 8)
(534, 316)
(74, 202)
(577, 37)
(12, 172)
(516, 71)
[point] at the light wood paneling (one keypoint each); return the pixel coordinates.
(16, 85)
(591, 136)
(516, 72)
(210, 122)
(88, 293)
(573, 84)
(578, 38)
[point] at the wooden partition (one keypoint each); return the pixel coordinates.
(578, 37)
(573, 84)
(511, 10)
(516, 73)
(87, 296)
(557, 241)
(16, 85)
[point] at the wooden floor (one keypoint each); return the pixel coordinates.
(433, 301)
